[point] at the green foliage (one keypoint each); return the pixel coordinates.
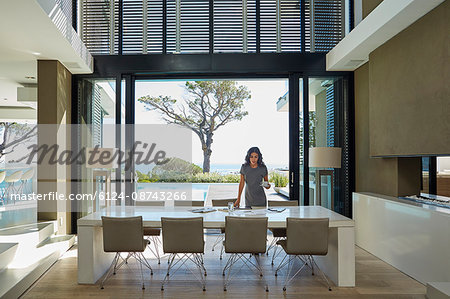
(146, 178)
(215, 177)
(180, 171)
(278, 179)
(177, 177)
(177, 165)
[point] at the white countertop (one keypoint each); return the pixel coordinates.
(152, 215)
(407, 202)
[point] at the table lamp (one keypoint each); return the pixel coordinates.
(324, 157)
(102, 169)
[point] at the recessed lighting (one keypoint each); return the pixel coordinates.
(30, 77)
(36, 53)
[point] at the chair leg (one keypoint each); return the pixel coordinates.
(239, 256)
(291, 259)
(272, 244)
(218, 240)
(195, 259)
(199, 260)
(233, 257)
(7, 191)
(155, 251)
(321, 272)
(200, 267)
(281, 265)
(142, 273)
(258, 262)
(113, 266)
(143, 261)
(276, 252)
(171, 258)
(156, 244)
(221, 252)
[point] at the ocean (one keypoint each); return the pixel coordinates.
(235, 168)
(220, 168)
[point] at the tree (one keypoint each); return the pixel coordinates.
(13, 134)
(211, 105)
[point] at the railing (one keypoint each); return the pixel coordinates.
(211, 26)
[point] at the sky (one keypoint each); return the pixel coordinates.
(264, 126)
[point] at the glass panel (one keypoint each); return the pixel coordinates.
(443, 176)
(425, 186)
(98, 114)
(240, 124)
(322, 135)
(18, 116)
(301, 144)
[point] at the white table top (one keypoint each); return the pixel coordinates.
(152, 215)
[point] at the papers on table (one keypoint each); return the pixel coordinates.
(202, 210)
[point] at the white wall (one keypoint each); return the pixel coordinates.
(413, 239)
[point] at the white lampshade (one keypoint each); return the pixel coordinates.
(325, 157)
(105, 153)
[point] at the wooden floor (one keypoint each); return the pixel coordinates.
(374, 279)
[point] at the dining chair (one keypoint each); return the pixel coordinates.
(278, 233)
(149, 203)
(152, 234)
(10, 181)
(124, 234)
(189, 203)
(221, 236)
(304, 237)
(183, 238)
(27, 175)
(244, 235)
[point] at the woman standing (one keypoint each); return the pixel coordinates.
(254, 176)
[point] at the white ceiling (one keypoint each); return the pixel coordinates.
(388, 19)
(28, 33)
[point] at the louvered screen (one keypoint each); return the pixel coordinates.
(190, 34)
(228, 25)
(326, 23)
(154, 26)
(66, 7)
(133, 26)
(290, 26)
(329, 22)
(251, 26)
(330, 111)
(234, 25)
(268, 25)
(307, 26)
(97, 117)
(99, 19)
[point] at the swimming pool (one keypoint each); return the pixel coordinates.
(198, 191)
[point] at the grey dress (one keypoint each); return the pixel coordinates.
(254, 192)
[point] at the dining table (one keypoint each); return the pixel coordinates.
(338, 264)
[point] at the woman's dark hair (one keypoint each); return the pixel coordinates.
(254, 150)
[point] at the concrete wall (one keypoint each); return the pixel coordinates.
(368, 6)
(391, 175)
(410, 90)
(54, 102)
(376, 175)
(402, 106)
